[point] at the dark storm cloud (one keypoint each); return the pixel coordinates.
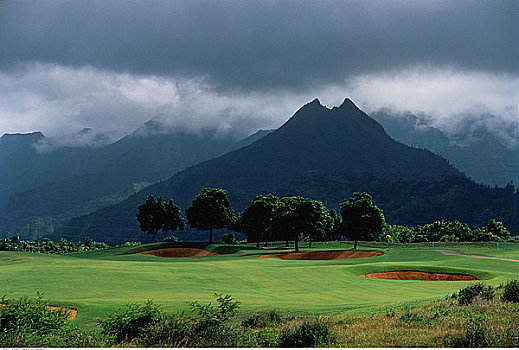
(240, 45)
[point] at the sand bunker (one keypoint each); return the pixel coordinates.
(325, 255)
(73, 312)
(420, 276)
(178, 252)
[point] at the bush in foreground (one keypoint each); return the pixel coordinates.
(31, 315)
(475, 291)
(123, 325)
(308, 334)
(511, 292)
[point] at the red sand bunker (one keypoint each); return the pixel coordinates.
(178, 252)
(325, 255)
(73, 312)
(420, 276)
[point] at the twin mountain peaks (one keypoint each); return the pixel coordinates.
(321, 153)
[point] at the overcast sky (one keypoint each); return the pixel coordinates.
(112, 65)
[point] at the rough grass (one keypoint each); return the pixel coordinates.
(438, 324)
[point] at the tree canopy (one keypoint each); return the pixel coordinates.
(158, 215)
(257, 218)
(297, 216)
(210, 210)
(361, 219)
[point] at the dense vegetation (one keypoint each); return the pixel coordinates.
(47, 246)
(476, 316)
(269, 218)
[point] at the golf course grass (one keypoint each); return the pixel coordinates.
(98, 282)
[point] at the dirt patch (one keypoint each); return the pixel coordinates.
(178, 252)
(420, 276)
(325, 255)
(73, 312)
(11, 260)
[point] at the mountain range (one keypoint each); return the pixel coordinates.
(325, 154)
(47, 189)
(475, 151)
(41, 188)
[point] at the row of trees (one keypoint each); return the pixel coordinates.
(268, 218)
(446, 231)
(47, 246)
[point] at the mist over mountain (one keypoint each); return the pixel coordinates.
(73, 181)
(322, 153)
(473, 149)
(325, 154)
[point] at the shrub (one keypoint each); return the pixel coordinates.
(229, 239)
(475, 336)
(129, 244)
(477, 290)
(170, 239)
(31, 315)
(511, 292)
(305, 335)
(263, 318)
(169, 331)
(133, 321)
(208, 321)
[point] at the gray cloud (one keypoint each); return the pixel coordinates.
(265, 44)
(239, 66)
(61, 100)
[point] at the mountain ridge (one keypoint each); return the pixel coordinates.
(350, 145)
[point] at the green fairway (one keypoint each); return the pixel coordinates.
(97, 282)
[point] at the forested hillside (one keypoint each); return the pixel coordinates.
(324, 154)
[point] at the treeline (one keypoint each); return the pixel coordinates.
(47, 246)
(269, 218)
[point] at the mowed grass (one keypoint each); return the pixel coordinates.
(99, 282)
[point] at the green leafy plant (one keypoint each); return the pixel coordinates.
(130, 322)
(479, 290)
(308, 334)
(511, 292)
(31, 315)
(229, 238)
(263, 318)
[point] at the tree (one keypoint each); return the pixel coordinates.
(257, 218)
(210, 210)
(497, 228)
(158, 215)
(361, 219)
(297, 216)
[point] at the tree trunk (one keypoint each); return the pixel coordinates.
(355, 246)
(266, 243)
(310, 245)
(257, 244)
(211, 235)
(297, 245)
(153, 237)
(286, 244)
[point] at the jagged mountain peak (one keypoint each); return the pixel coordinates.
(348, 104)
(30, 135)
